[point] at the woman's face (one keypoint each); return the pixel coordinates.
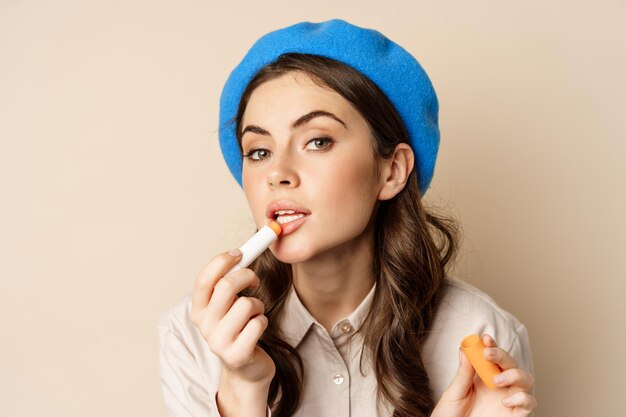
(309, 163)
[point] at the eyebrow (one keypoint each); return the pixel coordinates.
(301, 120)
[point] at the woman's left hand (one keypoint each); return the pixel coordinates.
(468, 396)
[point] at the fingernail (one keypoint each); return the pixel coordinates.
(493, 342)
(507, 401)
(499, 379)
(235, 253)
(490, 351)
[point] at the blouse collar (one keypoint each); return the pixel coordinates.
(296, 319)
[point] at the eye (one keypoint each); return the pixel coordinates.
(256, 155)
(319, 144)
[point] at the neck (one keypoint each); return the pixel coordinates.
(334, 283)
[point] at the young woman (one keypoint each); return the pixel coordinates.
(331, 130)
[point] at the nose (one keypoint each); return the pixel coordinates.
(283, 174)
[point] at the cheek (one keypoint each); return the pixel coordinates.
(254, 196)
(349, 189)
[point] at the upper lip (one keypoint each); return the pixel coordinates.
(276, 205)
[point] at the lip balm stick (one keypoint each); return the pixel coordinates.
(473, 348)
(257, 244)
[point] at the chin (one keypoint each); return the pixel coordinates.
(291, 254)
(290, 257)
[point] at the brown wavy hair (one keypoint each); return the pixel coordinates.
(412, 247)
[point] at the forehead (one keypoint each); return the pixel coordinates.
(289, 96)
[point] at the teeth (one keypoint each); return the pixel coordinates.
(279, 212)
(286, 219)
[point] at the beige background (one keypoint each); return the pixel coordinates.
(113, 194)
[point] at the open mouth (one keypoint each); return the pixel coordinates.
(286, 216)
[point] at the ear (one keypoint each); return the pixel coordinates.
(395, 171)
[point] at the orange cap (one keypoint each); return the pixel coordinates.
(473, 347)
(276, 228)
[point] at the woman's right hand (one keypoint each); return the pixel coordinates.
(232, 325)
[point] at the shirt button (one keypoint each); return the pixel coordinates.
(338, 379)
(346, 327)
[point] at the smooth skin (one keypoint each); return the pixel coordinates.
(326, 166)
(468, 396)
(232, 326)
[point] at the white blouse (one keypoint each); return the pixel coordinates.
(333, 383)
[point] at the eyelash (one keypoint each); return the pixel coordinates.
(327, 140)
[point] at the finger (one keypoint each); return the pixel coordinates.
(462, 381)
(488, 341)
(242, 311)
(499, 357)
(250, 335)
(521, 400)
(515, 377)
(226, 290)
(225, 330)
(207, 278)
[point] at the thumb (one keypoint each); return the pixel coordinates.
(462, 381)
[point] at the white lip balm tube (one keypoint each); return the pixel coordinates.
(257, 244)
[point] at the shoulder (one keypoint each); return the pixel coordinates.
(175, 325)
(177, 319)
(465, 309)
(181, 344)
(468, 309)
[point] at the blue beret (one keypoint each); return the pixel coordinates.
(396, 72)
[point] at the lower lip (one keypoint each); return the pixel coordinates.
(292, 226)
